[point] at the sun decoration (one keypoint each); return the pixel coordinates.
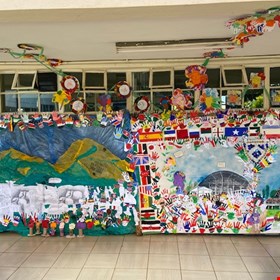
(197, 77)
(141, 104)
(123, 89)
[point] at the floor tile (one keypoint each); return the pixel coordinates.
(130, 247)
(132, 261)
(158, 261)
(40, 260)
(190, 262)
(168, 248)
(198, 275)
(188, 248)
(24, 246)
(51, 247)
(111, 238)
(10, 236)
(128, 274)
(6, 272)
(217, 238)
(62, 274)
(34, 273)
(269, 239)
(166, 274)
(221, 249)
(71, 260)
(85, 239)
(260, 264)
(225, 275)
(236, 239)
(96, 274)
(78, 247)
(164, 238)
(193, 238)
(135, 238)
(252, 250)
(6, 244)
(101, 260)
(264, 276)
(228, 263)
(273, 249)
(107, 247)
(13, 259)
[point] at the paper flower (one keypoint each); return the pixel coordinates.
(209, 100)
(197, 77)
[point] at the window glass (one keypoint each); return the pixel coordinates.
(213, 78)
(29, 102)
(161, 78)
(47, 82)
(275, 76)
(253, 98)
(113, 78)
(179, 79)
(140, 81)
(6, 82)
(46, 104)
(94, 80)
(9, 102)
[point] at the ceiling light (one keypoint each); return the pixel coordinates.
(174, 45)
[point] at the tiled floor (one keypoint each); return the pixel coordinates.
(140, 257)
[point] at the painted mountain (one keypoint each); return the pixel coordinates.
(85, 162)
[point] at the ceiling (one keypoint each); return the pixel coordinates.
(91, 34)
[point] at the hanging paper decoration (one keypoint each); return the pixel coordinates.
(105, 101)
(254, 25)
(70, 84)
(62, 98)
(180, 100)
(215, 54)
(209, 100)
(234, 97)
(275, 97)
(123, 89)
(197, 77)
(54, 62)
(79, 106)
(257, 80)
(141, 104)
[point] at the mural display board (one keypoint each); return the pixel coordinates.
(209, 174)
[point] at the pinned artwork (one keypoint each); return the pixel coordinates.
(180, 100)
(79, 106)
(254, 25)
(257, 80)
(141, 104)
(105, 102)
(209, 100)
(197, 77)
(275, 97)
(123, 89)
(70, 84)
(62, 98)
(234, 97)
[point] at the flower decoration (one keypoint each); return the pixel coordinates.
(123, 89)
(209, 100)
(254, 25)
(79, 106)
(141, 104)
(197, 77)
(62, 98)
(180, 100)
(105, 102)
(257, 80)
(70, 84)
(234, 97)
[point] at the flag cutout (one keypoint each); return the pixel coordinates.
(140, 149)
(141, 160)
(149, 222)
(194, 134)
(218, 132)
(146, 190)
(182, 134)
(150, 136)
(146, 200)
(169, 134)
(235, 131)
(271, 132)
(254, 131)
(142, 173)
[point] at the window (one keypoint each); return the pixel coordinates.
(213, 78)
(253, 98)
(24, 80)
(234, 76)
(161, 78)
(9, 102)
(275, 86)
(95, 80)
(47, 82)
